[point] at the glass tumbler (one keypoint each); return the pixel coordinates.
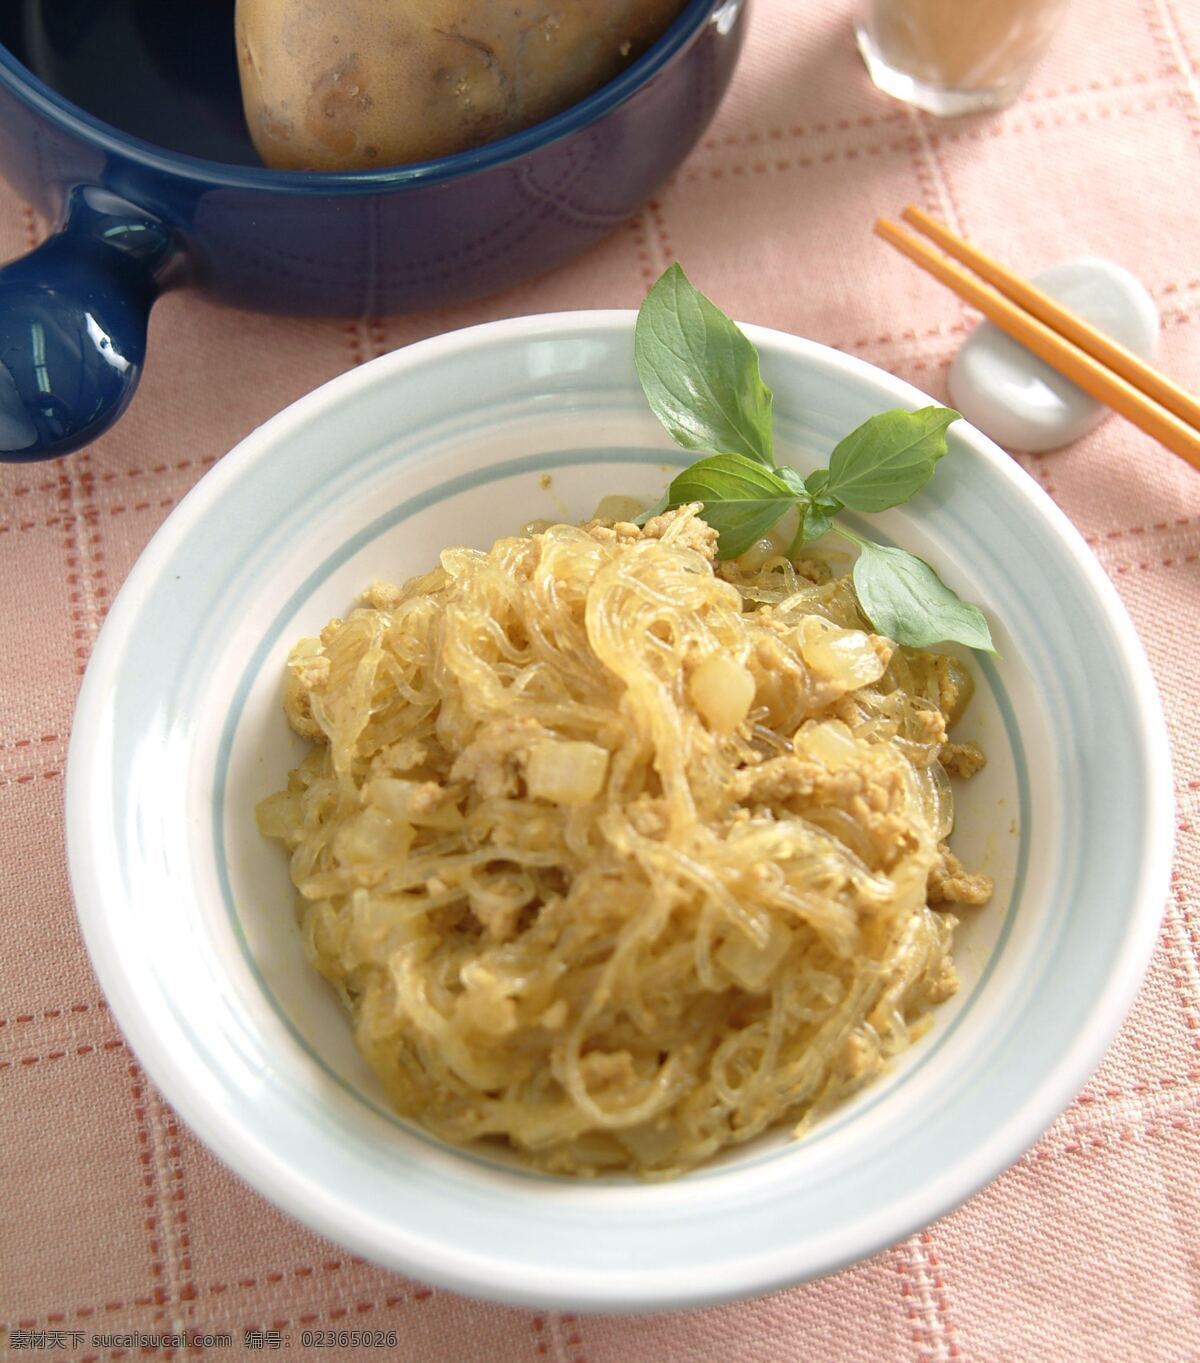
(955, 56)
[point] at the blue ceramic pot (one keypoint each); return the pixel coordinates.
(138, 215)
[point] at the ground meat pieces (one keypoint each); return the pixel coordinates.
(860, 1057)
(649, 816)
(813, 570)
(494, 759)
(308, 671)
(683, 527)
(944, 984)
(398, 758)
(931, 726)
(608, 1070)
(962, 759)
(949, 883)
(872, 793)
(955, 686)
(383, 596)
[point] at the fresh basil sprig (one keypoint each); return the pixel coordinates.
(700, 373)
(902, 595)
(701, 378)
(888, 458)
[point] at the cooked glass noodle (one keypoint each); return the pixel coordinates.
(615, 857)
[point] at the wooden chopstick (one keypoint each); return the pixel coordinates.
(1059, 318)
(1064, 355)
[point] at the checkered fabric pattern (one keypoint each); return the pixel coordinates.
(113, 1217)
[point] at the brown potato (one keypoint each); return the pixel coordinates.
(341, 84)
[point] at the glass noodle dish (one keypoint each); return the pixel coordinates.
(622, 842)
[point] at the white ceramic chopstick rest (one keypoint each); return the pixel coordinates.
(1018, 399)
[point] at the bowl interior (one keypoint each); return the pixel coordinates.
(488, 484)
(188, 913)
(167, 76)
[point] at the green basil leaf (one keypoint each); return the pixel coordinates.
(905, 599)
(817, 518)
(816, 481)
(792, 478)
(700, 373)
(742, 499)
(888, 458)
(816, 512)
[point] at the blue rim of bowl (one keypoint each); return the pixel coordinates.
(474, 1154)
(52, 106)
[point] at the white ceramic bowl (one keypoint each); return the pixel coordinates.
(188, 913)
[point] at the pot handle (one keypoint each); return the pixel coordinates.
(73, 317)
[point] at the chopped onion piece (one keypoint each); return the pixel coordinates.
(565, 773)
(830, 742)
(749, 964)
(373, 837)
(278, 815)
(846, 656)
(423, 803)
(618, 507)
(722, 691)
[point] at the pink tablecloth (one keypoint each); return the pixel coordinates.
(113, 1217)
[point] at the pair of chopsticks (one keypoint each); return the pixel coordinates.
(1055, 334)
